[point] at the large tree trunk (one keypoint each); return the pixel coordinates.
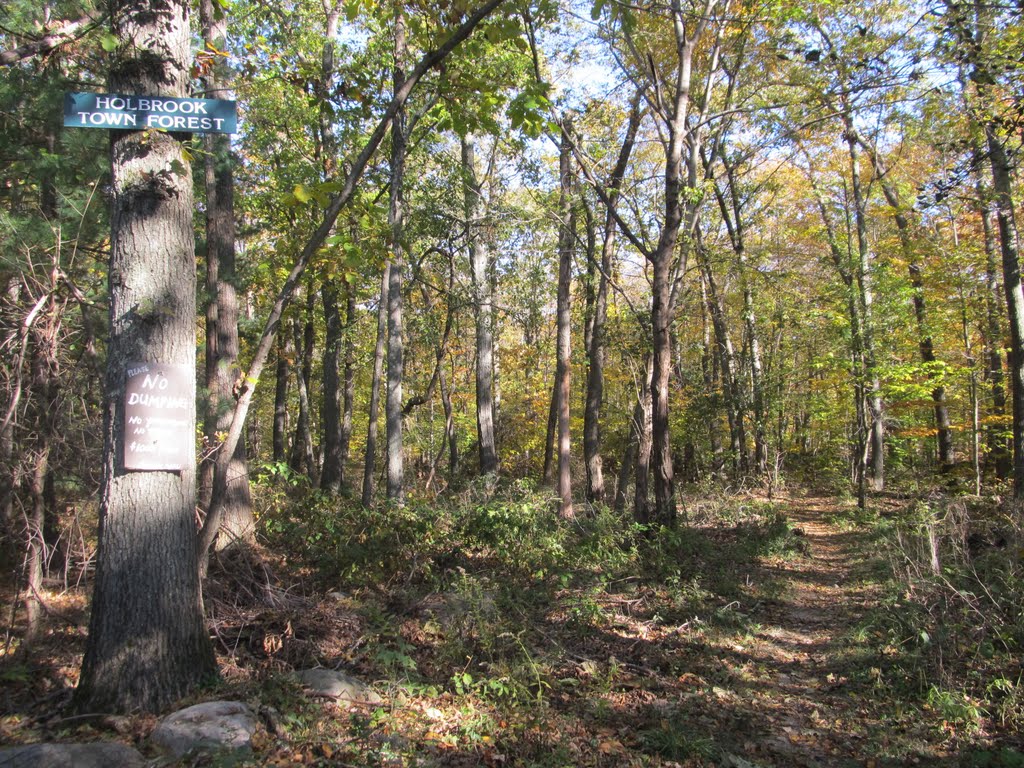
(148, 644)
(679, 140)
(482, 307)
(222, 346)
(563, 370)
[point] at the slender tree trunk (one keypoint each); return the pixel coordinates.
(331, 410)
(997, 444)
(628, 464)
(597, 310)
(303, 452)
(8, 465)
(876, 436)
(43, 410)
(596, 345)
(645, 444)
(710, 370)
(731, 207)
(449, 442)
(333, 470)
(926, 345)
(732, 388)
(349, 378)
(549, 435)
(285, 354)
(858, 369)
(396, 221)
(483, 308)
(148, 644)
(370, 459)
(222, 344)
(756, 373)
(1009, 246)
(563, 372)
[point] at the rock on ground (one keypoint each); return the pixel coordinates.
(333, 684)
(97, 755)
(212, 725)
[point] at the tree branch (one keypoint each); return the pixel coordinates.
(69, 31)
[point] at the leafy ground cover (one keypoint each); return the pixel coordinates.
(792, 632)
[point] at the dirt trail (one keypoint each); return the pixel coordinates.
(810, 699)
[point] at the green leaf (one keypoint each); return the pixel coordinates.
(302, 194)
(109, 42)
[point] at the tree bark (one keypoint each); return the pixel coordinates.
(732, 214)
(285, 354)
(926, 345)
(42, 416)
(333, 471)
(996, 442)
(596, 348)
(349, 381)
(370, 458)
(303, 458)
(550, 433)
(396, 221)
(1009, 246)
(731, 387)
(677, 207)
(863, 281)
(643, 424)
(710, 371)
(148, 645)
(858, 372)
(222, 345)
(483, 308)
(563, 370)
(331, 409)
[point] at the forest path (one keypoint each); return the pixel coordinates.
(804, 642)
(802, 689)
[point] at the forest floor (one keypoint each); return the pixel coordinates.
(768, 648)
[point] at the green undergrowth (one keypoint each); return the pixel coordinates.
(497, 625)
(949, 630)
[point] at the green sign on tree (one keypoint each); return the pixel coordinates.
(113, 110)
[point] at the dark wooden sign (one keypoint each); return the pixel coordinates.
(159, 419)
